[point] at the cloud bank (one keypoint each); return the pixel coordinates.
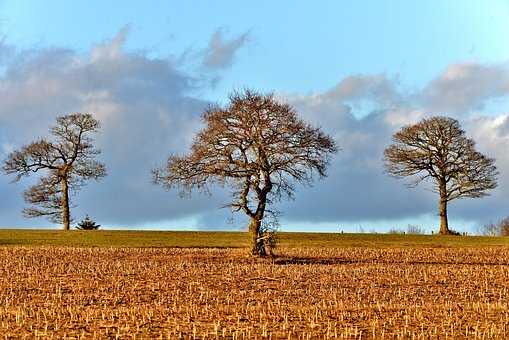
(150, 107)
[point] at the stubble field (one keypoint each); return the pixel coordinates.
(214, 293)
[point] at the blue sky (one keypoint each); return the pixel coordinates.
(360, 69)
(294, 45)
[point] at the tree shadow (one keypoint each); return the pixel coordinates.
(282, 260)
(310, 260)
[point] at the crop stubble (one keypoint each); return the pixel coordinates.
(209, 293)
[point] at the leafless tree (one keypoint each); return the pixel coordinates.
(489, 229)
(437, 149)
(68, 160)
(501, 228)
(259, 147)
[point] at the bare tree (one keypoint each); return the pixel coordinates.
(501, 228)
(257, 146)
(490, 229)
(69, 161)
(437, 149)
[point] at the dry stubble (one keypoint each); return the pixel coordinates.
(311, 293)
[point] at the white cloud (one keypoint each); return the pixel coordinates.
(220, 52)
(465, 87)
(110, 50)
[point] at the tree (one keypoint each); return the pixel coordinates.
(257, 146)
(437, 149)
(69, 161)
(87, 224)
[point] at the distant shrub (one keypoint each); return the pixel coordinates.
(414, 229)
(396, 231)
(489, 229)
(87, 224)
(504, 227)
(501, 228)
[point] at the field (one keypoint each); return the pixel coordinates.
(189, 239)
(56, 284)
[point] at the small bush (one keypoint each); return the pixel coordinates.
(87, 224)
(269, 233)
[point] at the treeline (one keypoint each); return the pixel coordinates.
(260, 148)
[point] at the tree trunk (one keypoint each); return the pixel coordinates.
(257, 243)
(444, 225)
(65, 204)
(442, 210)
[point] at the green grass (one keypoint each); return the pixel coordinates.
(202, 239)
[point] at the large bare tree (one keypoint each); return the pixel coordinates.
(437, 149)
(259, 147)
(68, 160)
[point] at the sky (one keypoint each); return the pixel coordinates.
(360, 70)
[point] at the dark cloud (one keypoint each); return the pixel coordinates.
(357, 187)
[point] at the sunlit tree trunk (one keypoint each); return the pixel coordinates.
(257, 243)
(442, 209)
(65, 204)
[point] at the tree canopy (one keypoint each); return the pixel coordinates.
(68, 160)
(437, 149)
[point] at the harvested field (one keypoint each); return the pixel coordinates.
(208, 293)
